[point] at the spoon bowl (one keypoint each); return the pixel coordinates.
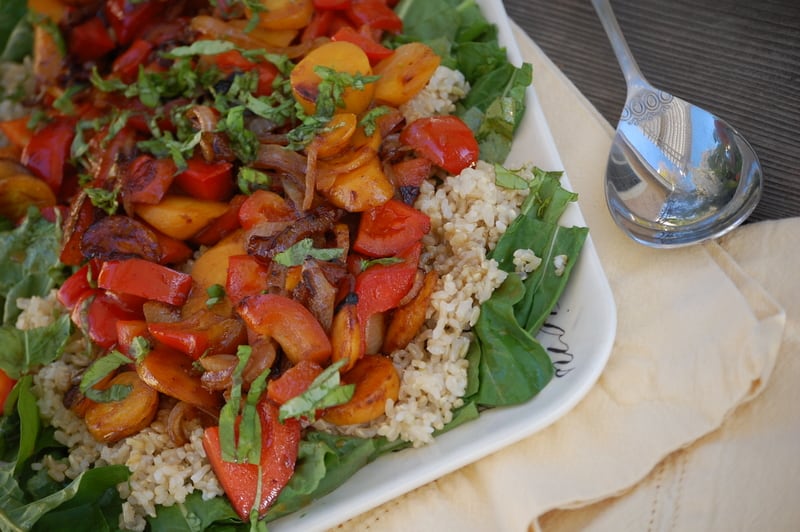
(677, 174)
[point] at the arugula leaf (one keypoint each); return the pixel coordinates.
(22, 351)
(86, 489)
(507, 364)
(513, 365)
(29, 263)
(298, 253)
(14, 12)
(30, 425)
(324, 463)
(196, 515)
(323, 392)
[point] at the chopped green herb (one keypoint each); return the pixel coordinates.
(215, 294)
(330, 96)
(243, 141)
(366, 263)
(63, 103)
(250, 180)
(140, 347)
(48, 25)
(202, 47)
(323, 392)
(297, 254)
(107, 200)
(370, 119)
(99, 370)
(247, 447)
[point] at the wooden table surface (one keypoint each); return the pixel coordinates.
(737, 58)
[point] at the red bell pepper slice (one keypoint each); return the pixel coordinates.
(129, 19)
(90, 40)
(139, 277)
(331, 4)
(445, 140)
(82, 215)
(264, 206)
(193, 342)
(97, 314)
(126, 65)
(209, 181)
(128, 331)
(47, 152)
(223, 225)
(246, 277)
(375, 14)
(280, 443)
(390, 228)
(374, 50)
(382, 286)
(293, 381)
(77, 284)
(411, 172)
(233, 61)
(148, 179)
(6, 385)
(319, 26)
(173, 251)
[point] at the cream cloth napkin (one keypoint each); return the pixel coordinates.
(696, 337)
(746, 475)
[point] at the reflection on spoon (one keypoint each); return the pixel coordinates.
(676, 173)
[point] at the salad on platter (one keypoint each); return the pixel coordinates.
(250, 246)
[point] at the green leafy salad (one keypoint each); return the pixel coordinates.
(507, 365)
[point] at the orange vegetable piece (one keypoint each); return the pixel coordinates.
(115, 420)
(347, 336)
(181, 217)
(376, 380)
(18, 192)
(285, 14)
(341, 56)
(404, 73)
(172, 373)
(408, 319)
(290, 324)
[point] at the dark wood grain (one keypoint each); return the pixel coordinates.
(737, 58)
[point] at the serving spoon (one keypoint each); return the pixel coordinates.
(676, 175)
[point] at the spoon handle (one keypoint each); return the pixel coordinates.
(633, 76)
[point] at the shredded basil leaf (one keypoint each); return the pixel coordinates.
(250, 180)
(385, 261)
(98, 371)
(297, 254)
(215, 294)
(323, 392)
